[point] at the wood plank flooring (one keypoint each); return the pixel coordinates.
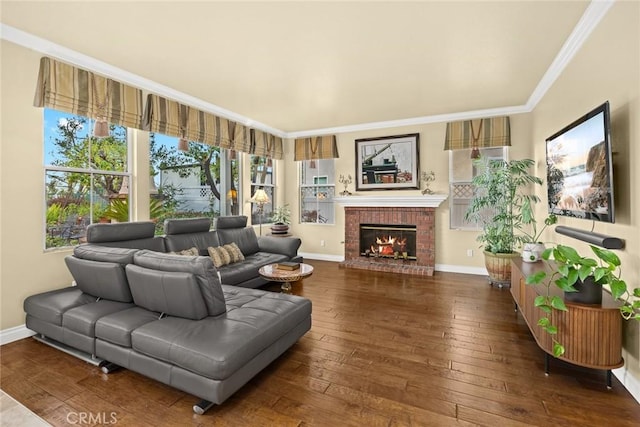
(384, 350)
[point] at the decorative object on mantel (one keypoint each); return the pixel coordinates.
(345, 181)
(427, 178)
(387, 163)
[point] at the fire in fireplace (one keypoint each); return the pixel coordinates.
(388, 241)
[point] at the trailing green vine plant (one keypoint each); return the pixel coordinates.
(571, 267)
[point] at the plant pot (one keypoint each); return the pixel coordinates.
(279, 229)
(532, 252)
(499, 267)
(589, 292)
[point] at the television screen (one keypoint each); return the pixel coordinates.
(579, 168)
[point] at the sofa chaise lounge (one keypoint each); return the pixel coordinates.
(168, 316)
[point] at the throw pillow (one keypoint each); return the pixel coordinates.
(234, 252)
(188, 252)
(219, 256)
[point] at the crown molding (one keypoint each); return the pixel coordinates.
(590, 19)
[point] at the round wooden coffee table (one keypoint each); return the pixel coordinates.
(287, 277)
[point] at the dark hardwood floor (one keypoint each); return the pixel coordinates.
(384, 350)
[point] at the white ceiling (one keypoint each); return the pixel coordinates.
(303, 66)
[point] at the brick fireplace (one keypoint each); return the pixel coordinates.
(414, 210)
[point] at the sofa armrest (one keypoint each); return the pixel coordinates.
(280, 245)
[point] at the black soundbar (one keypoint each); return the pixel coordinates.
(597, 239)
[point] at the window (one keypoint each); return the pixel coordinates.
(461, 172)
(262, 176)
(202, 181)
(317, 189)
(86, 178)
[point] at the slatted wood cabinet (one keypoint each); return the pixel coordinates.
(591, 334)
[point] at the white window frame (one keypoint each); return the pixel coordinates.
(89, 171)
(461, 191)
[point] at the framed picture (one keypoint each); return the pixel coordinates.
(387, 163)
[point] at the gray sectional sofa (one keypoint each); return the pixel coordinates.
(173, 317)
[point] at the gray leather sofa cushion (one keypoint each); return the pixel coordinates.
(287, 246)
(216, 347)
(100, 279)
(178, 242)
(202, 267)
(50, 306)
(233, 229)
(237, 273)
(116, 328)
(186, 225)
(136, 235)
(234, 221)
(99, 233)
(172, 293)
(95, 252)
(83, 319)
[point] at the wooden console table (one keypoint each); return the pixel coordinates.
(591, 334)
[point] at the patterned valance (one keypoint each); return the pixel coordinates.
(172, 118)
(66, 88)
(266, 145)
(478, 133)
(316, 147)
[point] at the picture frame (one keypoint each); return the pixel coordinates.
(388, 163)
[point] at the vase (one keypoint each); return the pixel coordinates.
(279, 229)
(499, 267)
(589, 292)
(532, 252)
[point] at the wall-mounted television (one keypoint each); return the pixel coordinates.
(579, 168)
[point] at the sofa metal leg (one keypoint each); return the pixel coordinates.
(202, 407)
(109, 367)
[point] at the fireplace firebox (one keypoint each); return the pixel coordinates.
(397, 241)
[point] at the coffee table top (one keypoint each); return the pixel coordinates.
(270, 272)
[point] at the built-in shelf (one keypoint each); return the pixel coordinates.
(422, 201)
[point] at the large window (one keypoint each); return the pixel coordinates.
(262, 177)
(86, 178)
(317, 189)
(201, 181)
(461, 172)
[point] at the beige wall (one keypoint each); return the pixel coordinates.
(606, 68)
(451, 245)
(25, 267)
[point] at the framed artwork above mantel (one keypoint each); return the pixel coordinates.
(388, 163)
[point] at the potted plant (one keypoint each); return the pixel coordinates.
(497, 205)
(581, 279)
(532, 247)
(281, 218)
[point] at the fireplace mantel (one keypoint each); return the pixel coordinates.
(422, 201)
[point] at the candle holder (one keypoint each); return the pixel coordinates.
(427, 178)
(345, 181)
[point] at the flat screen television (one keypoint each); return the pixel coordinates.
(579, 168)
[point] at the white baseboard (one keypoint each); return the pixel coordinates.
(321, 257)
(448, 268)
(15, 334)
(631, 383)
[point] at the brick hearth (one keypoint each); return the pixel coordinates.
(423, 218)
(398, 211)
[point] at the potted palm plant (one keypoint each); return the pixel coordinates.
(501, 193)
(281, 218)
(581, 279)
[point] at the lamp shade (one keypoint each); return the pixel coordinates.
(260, 197)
